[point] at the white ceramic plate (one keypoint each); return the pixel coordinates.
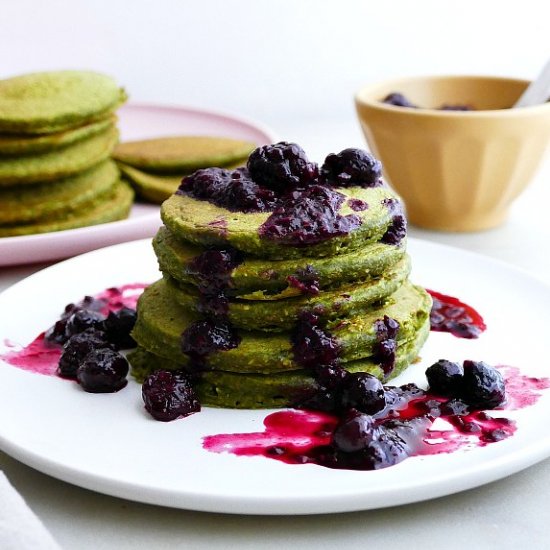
(107, 443)
(135, 122)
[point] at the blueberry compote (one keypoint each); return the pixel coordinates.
(397, 230)
(378, 426)
(449, 314)
(306, 280)
(212, 270)
(309, 216)
(280, 179)
(352, 167)
(169, 395)
(384, 351)
(83, 343)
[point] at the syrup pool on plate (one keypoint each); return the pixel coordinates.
(409, 421)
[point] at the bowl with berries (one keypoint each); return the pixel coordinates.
(454, 147)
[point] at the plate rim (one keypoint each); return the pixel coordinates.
(255, 505)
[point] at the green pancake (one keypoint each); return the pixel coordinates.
(48, 102)
(53, 165)
(257, 391)
(349, 300)
(24, 145)
(155, 188)
(112, 206)
(150, 187)
(54, 199)
(161, 321)
(203, 223)
(182, 154)
(264, 279)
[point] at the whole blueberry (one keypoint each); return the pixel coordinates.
(354, 433)
(77, 348)
(483, 385)
(445, 378)
(282, 166)
(118, 326)
(364, 392)
(398, 99)
(103, 371)
(81, 320)
(351, 167)
(330, 376)
(169, 395)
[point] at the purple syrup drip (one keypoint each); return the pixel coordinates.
(212, 271)
(299, 437)
(449, 314)
(312, 345)
(306, 280)
(386, 330)
(397, 229)
(202, 338)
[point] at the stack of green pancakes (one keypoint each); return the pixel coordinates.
(155, 167)
(256, 302)
(57, 133)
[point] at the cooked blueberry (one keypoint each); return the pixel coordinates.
(81, 320)
(204, 337)
(103, 371)
(118, 326)
(56, 334)
(306, 280)
(319, 399)
(330, 376)
(397, 228)
(398, 99)
(445, 378)
(355, 432)
(385, 328)
(384, 354)
(309, 216)
(246, 195)
(77, 348)
(457, 107)
(169, 395)
(281, 166)
(231, 189)
(313, 345)
(483, 385)
(212, 269)
(363, 392)
(455, 407)
(351, 167)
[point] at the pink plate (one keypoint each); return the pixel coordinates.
(135, 122)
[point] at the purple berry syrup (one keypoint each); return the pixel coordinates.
(449, 314)
(304, 436)
(42, 357)
(414, 422)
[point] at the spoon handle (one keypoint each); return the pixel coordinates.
(538, 91)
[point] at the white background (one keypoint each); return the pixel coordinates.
(283, 62)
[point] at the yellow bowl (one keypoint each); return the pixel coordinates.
(455, 170)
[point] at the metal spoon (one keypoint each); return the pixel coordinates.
(538, 91)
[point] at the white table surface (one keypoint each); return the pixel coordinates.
(509, 513)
